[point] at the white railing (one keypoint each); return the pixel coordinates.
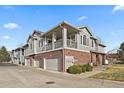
(58, 44)
(49, 46)
(71, 43)
(97, 49)
(29, 52)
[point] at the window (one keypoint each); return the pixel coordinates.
(22, 51)
(87, 41)
(81, 39)
(92, 44)
(30, 45)
(84, 40)
(41, 43)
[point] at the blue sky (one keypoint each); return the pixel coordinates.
(18, 22)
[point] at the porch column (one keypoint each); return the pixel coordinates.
(77, 39)
(35, 46)
(20, 56)
(64, 36)
(44, 63)
(53, 39)
(45, 43)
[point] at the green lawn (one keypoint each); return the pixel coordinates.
(116, 72)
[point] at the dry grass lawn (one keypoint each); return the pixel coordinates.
(116, 72)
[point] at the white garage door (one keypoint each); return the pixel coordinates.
(52, 64)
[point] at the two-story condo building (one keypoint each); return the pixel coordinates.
(63, 46)
(17, 56)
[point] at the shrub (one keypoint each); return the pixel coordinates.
(88, 67)
(83, 68)
(75, 69)
(23, 63)
(19, 62)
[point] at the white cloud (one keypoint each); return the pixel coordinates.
(6, 37)
(8, 7)
(82, 18)
(117, 32)
(11, 26)
(118, 8)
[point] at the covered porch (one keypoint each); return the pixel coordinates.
(60, 37)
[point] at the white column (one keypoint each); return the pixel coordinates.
(20, 56)
(35, 63)
(35, 46)
(53, 38)
(44, 63)
(45, 42)
(77, 40)
(64, 36)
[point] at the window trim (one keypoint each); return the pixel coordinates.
(40, 43)
(84, 40)
(81, 39)
(92, 43)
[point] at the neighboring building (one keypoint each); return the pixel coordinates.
(17, 56)
(33, 46)
(113, 56)
(63, 46)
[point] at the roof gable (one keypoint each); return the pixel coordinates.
(63, 24)
(29, 38)
(87, 29)
(37, 32)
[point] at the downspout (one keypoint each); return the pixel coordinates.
(63, 59)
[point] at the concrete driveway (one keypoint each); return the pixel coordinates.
(25, 77)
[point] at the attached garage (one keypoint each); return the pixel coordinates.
(52, 64)
(27, 62)
(36, 63)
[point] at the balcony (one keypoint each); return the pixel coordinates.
(71, 43)
(97, 49)
(57, 44)
(29, 52)
(48, 46)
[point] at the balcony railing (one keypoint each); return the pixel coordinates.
(96, 49)
(29, 52)
(49, 46)
(57, 44)
(71, 43)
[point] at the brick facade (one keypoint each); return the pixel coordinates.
(80, 56)
(47, 55)
(97, 58)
